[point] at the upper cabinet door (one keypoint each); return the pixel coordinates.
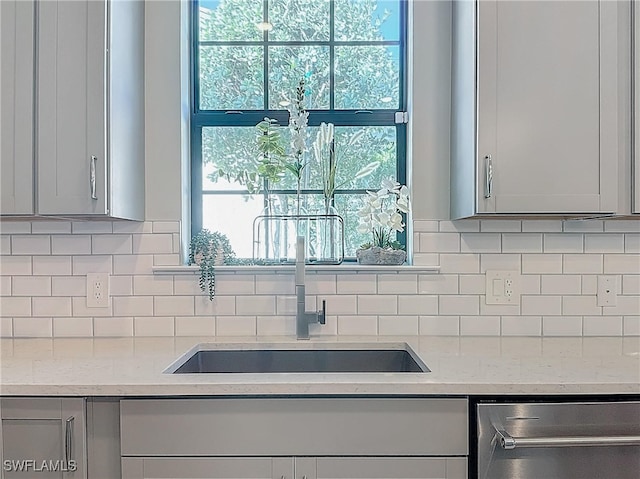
(16, 105)
(547, 107)
(71, 98)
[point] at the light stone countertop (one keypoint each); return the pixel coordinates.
(126, 367)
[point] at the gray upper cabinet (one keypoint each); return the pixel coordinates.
(16, 105)
(535, 108)
(87, 127)
(44, 438)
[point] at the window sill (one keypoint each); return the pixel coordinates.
(310, 269)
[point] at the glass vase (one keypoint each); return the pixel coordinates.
(327, 235)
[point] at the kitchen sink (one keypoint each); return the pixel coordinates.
(342, 358)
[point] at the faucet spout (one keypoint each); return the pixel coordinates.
(303, 318)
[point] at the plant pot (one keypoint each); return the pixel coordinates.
(381, 256)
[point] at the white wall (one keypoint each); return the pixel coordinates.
(43, 264)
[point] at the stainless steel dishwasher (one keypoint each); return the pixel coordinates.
(576, 440)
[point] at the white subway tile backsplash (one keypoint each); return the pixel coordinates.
(111, 244)
(51, 227)
(274, 284)
(338, 305)
(480, 325)
(460, 226)
(398, 325)
(563, 243)
(632, 243)
(530, 284)
(165, 227)
(113, 327)
(580, 306)
(439, 325)
(397, 284)
(582, 263)
(423, 226)
(30, 244)
(150, 285)
(51, 306)
(480, 243)
(133, 264)
(32, 327)
(31, 286)
(275, 325)
(541, 263)
(318, 284)
(173, 306)
(439, 242)
(541, 226)
(631, 325)
(6, 327)
(166, 259)
(236, 326)
(622, 226)
(426, 259)
(378, 304)
(458, 305)
(356, 283)
(621, 264)
(72, 327)
(602, 326)
(583, 226)
(498, 309)
(561, 284)
(631, 284)
(562, 326)
(460, 263)
(82, 265)
(15, 227)
(417, 304)
(15, 307)
(132, 227)
(195, 326)
(5, 245)
(438, 284)
(5, 287)
(188, 286)
(235, 284)
(70, 244)
(220, 306)
(625, 305)
(255, 305)
(136, 306)
(358, 325)
(472, 283)
(604, 243)
(52, 265)
(91, 227)
(589, 284)
(79, 307)
(161, 243)
(500, 262)
(521, 326)
(522, 243)
(513, 226)
(541, 305)
(121, 285)
(154, 326)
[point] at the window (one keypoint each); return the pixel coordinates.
(248, 58)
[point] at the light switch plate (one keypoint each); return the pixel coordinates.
(607, 290)
(503, 287)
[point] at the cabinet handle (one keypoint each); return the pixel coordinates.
(488, 176)
(68, 439)
(92, 177)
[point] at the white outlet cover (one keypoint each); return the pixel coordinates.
(503, 287)
(97, 290)
(607, 290)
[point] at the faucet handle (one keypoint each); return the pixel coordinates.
(322, 314)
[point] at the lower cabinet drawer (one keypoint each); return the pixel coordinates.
(294, 427)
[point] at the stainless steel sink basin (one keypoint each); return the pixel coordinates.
(395, 358)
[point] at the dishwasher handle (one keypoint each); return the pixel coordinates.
(507, 441)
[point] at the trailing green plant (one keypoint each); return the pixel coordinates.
(209, 250)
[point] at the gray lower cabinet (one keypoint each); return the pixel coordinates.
(43, 438)
(537, 107)
(73, 113)
(295, 468)
(301, 438)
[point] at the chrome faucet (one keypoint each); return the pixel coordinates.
(303, 318)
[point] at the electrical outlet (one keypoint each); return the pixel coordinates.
(97, 290)
(503, 287)
(607, 290)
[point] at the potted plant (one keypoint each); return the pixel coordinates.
(209, 250)
(382, 216)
